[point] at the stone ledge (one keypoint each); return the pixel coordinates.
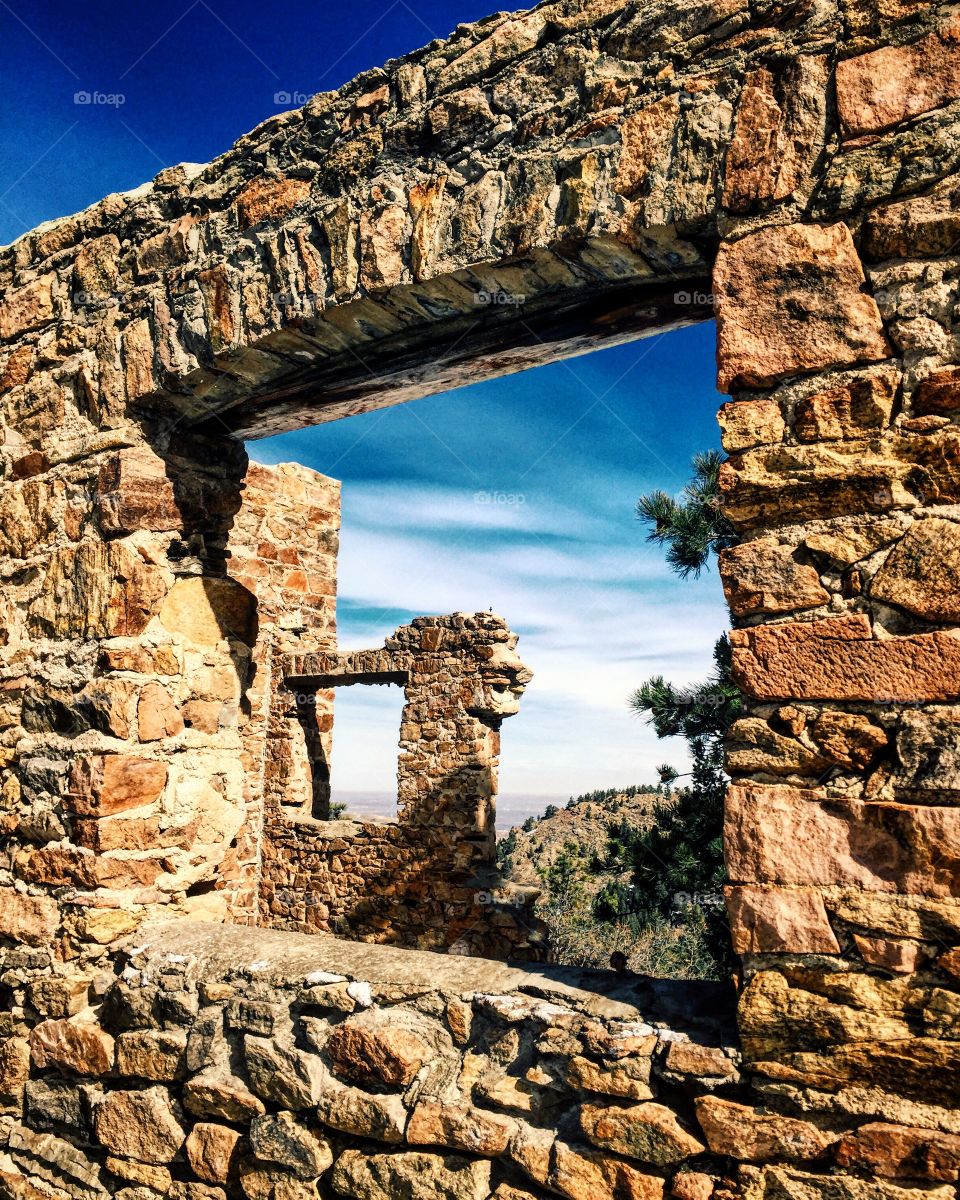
(218, 952)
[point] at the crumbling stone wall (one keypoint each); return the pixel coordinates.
(429, 878)
(601, 160)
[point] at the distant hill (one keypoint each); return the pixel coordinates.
(533, 847)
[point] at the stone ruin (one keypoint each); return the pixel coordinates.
(180, 1020)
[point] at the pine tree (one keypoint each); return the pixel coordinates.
(676, 864)
(693, 526)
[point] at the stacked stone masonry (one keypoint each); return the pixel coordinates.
(540, 184)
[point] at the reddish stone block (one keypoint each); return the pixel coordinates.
(110, 783)
(938, 394)
(135, 491)
(899, 1151)
(798, 836)
(837, 659)
(269, 199)
(791, 299)
(878, 90)
(773, 920)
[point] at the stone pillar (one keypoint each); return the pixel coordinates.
(842, 822)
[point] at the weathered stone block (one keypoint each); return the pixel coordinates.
(790, 300)
(922, 572)
(76, 1046)
(582, 1174)
(459, 1127)
(797, 836)
(837, 659)
(848, 411)
(103, 784)
(878, 90)
(899, 1151)
(649, 1132)
(748, 423)
(773, 920)
(32, 920)
(366, 1053)
(923, 226)
(207, 610)
(212, 1151)
(139, 1125)
(762, 576)
(415, 1174)
(744, 1133)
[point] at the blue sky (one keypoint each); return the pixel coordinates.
(516, 494)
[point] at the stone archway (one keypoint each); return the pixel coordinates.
(604, 162)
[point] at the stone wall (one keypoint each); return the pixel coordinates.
(599, 159)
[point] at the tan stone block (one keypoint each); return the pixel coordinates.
(837, 659)
(105, 925)
(32, 920)
(777, 135)
(212, 1151)
(351, 1110)
(847, 545)
(14, 1072)
(762, 576)
(207, 610)
(157, 715)
(95, 269)
(692, 1185)
(157, 1178)
(752, 746)
(96, 590)
(27, 307)
(629, 1078)
(59, 995)
(922, 572)
(847, 411)
(848, 739)
(646, 137)
(582, 1174)
(923, 226)
(748, 423)
(388, 1176)
(75, 1046)
(773, 323)
(694, 1058)
(459, 1127)
(772, 920)
(745, 1133)
(217, 1093)
(649, 1132)
(878, 90)
(798, 836)
(139, 1125)
(152, 1054)
(103, 784)
(898, 1151)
